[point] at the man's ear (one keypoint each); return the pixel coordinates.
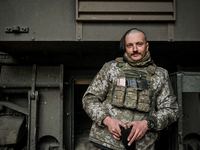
(147, 46)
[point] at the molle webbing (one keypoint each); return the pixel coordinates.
(135, 74)
(136, 93)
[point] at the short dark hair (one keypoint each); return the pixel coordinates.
(123, 39)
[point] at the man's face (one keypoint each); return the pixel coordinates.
(136, 45)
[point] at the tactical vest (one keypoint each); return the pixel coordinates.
(132, 89)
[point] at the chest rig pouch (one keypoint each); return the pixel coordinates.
(132, 89)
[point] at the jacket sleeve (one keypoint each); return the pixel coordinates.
(167, 107)
(95, 95)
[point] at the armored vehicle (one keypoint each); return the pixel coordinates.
(51, 50)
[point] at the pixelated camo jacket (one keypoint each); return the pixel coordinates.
(97, 106)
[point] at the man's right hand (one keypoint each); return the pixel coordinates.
(114, 126)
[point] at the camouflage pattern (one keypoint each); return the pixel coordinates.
(118, 96)
(144, 101)
(131, 98)
(97, 104)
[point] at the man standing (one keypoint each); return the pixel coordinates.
(130, 93)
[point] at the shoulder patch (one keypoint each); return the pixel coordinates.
(120, 62)
(151, 69)
(119, 59)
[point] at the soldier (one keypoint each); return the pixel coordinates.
(130, 99)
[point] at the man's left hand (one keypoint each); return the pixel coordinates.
(138, 130)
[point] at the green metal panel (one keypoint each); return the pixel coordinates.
(186, 87)
(60, 20)
(12, 129)
(43, 86)
(47, 20)
(100, 10)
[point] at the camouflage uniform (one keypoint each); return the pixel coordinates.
(97, 104)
